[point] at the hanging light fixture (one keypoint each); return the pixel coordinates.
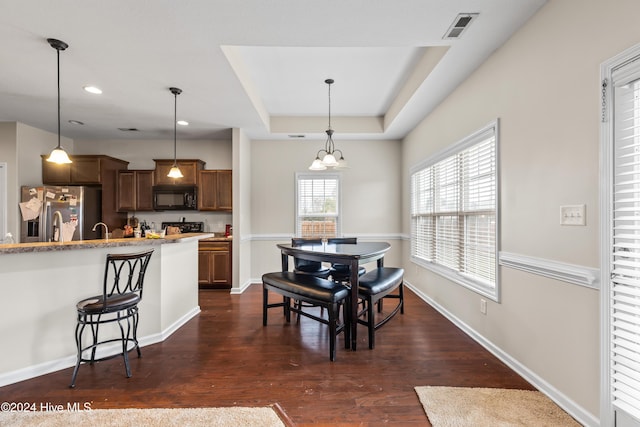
(175, 170)
(328, 159)
(58, 155)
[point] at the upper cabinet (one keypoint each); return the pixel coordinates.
(134, 190)
(85, 170)
(214, 190)
(189, 169)
(90, 170)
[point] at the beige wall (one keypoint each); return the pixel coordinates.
(544, 86)
(370, 196)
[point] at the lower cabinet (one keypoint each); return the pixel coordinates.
(214, 264)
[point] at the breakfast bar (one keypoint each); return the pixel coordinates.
(42, 282)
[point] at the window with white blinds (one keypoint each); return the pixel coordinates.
(625, 253)
(454, 212)
(317, 205)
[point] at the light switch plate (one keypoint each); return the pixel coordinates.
(573, 215)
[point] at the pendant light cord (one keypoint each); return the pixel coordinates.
(175, 130)
(58, 52)
(330, 103)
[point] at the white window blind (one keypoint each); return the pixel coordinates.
(317, 205)
(454, 212)
(625, 269)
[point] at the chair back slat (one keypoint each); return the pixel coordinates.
(343, 240)
(124, 273)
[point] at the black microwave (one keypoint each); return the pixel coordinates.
(175, 197)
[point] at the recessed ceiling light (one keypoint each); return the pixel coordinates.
(93, 89)
(76, 122)
(183, 122)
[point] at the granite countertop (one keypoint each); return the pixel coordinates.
(16, 248)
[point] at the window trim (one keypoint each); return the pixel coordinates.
(318, 175)
(457, 277)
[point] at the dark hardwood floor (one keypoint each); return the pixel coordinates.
(225, 357)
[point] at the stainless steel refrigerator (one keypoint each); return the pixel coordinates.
(52, 213)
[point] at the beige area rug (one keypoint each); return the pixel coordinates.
(462, 407)
(183, 417)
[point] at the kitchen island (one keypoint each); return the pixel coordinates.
(42, 282)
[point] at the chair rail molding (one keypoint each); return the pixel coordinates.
(571, 273)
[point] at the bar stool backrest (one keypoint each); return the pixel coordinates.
(124, 274)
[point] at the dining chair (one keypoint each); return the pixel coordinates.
(312, 268)
(342, 272)
(303, 266)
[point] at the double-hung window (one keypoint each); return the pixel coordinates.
(317, 205)
(454, 199)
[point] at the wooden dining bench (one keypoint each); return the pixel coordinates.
(313, 290)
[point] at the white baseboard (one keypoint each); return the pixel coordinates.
(575, 410)
(244, 286)
(107, 350)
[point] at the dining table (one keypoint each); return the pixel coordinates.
(351, 254)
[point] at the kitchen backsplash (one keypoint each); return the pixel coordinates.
(213, 221)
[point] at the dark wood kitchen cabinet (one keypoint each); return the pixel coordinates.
(85, 170)
(188, 167)
(214, 264)
(135, 190)
(91, 169)
(214, 190)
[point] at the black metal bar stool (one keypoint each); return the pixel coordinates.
(121, 293)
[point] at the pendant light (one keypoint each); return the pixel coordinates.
(58, 155)
(328, 159)
(175, 170)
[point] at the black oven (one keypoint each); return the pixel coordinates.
(175, 197)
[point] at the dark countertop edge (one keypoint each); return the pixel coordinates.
(217, 239)
(18, 248)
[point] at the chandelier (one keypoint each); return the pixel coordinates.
(325, 158)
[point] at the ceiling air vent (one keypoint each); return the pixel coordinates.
(128, 129)
(461, 22)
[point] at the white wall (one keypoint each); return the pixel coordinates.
(8, 155)
(242, 254)
(54, 281)
(370, 194)
(140, 153)
(543, 85)
(21, 147)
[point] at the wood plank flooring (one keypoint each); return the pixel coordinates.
(225, 357)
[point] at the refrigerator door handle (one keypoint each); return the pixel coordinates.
(44, 221)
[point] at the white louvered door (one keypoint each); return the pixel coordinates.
(624, 286)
